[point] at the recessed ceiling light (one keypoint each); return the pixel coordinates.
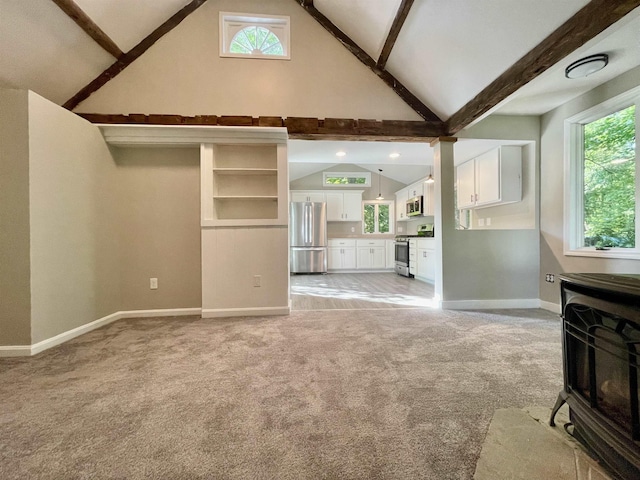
(394, 155)
(341, 154)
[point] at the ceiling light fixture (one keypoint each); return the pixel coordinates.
(341, 154)
(430, 178)
(379, 197)
(394, 155)
(586, 66)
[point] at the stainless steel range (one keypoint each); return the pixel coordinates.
(402, 255)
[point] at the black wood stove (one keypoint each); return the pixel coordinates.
(601, 338)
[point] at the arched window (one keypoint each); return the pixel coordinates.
(254, 36)
(255, 40)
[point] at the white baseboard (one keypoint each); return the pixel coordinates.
(245, 312)
(552, 307)
(165, 312)
(15, 351)
(491, 304)
(27, 350)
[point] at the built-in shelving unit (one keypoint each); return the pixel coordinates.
(245, 184)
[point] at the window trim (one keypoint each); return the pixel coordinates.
(392, 210)
(253, 19)
(574, 176)
(365, 175)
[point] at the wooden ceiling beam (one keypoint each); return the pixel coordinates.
(404, 93)
(591, 20)
(394, 31)
(298, 127)
(128, 58)
(76, 14)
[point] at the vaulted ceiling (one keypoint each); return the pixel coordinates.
(452, 61)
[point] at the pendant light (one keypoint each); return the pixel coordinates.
(430, 178)
(379, 197)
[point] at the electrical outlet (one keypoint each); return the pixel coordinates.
(550, 277)
(257, 280)
(353, 229)
(481, 222)
(488, 220)
(153, 283)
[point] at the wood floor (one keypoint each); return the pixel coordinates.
(354, 291)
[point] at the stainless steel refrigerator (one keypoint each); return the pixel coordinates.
(308, 235)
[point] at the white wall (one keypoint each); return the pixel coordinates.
(15, 281)
(74, 248)
(552, 219)
(184, 74)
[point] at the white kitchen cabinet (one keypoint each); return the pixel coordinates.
(416, 189)
(413, 256)
(401, 205)
(342, 254)
(371, 254)
(307, 196)
(344, 206)
(390, 250)
(426, 260)
(493, 178)
(429, 206)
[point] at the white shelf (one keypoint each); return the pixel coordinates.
(245, 171)
(245, 197)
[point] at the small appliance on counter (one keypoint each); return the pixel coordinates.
(426, 230)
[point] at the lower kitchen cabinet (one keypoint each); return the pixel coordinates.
(425, 260)
(342, 254)
(391, 254)
(371, 254)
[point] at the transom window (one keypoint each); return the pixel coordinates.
(347, 179)
(604, 179)
(254, 36)
(378, 217)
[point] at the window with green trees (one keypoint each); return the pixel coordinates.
(378, 217)
(601, 188)
(609, 186)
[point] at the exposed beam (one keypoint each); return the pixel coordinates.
(408, 97)
(591, 20)
(298, 127)
(125, 60)
(401, 16)
(76, 14)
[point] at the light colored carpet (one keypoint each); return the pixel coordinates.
(377, 394)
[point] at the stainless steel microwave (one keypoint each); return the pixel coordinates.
(414, 206)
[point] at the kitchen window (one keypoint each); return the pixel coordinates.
(601, 194)
(254, 36)
(346, 179)
(378, 217)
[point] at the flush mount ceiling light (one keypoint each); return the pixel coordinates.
(586, 66)
(341, 154)
(379, 197)
(394, 155)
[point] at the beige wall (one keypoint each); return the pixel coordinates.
(322, 79)
(552, 219)
(490, 264)
(158, 192)
(74, 268)
(15, 306)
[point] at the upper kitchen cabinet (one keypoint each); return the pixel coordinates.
(307, 196)
(401, 204)
(344, 206)
(490, 179)
(244, 184)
